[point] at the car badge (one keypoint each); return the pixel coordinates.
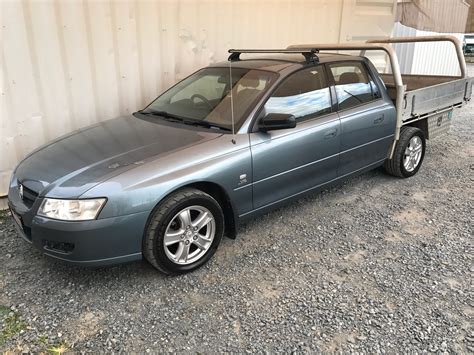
(20, 187)
(242, 179)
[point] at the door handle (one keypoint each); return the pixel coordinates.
(379, 119)
(330, 134)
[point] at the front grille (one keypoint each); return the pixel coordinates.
(29, 196)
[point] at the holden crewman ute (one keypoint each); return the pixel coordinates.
(229, 142)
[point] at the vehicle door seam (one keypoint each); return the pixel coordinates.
(314, 162)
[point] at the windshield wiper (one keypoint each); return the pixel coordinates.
(206, 124)
(175, 118)
(355, 97)
(163, 114)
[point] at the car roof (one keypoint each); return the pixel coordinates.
(283, 62)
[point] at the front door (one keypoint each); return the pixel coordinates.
(290, 161)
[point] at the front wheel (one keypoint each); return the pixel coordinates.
(184, 231)
(409, 153)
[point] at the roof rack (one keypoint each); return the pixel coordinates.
(308, 53)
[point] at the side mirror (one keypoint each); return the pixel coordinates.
(274, 121)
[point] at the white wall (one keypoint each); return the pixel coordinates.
(432, 58)
(67, 64)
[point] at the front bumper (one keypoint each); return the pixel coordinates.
(90, 243)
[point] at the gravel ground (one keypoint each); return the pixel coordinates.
(376, 264)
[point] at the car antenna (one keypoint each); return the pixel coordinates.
(231, 101)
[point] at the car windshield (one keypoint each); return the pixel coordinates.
(204, 97)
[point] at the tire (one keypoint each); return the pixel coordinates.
(177, 222)
(397, 165)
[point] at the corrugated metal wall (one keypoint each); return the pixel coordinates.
(444, 16)
(68, 64)
(435, 58)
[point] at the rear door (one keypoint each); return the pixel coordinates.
(289, 161)
(367, 121)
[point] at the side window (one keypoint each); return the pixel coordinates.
(304, 94)
(354, 86)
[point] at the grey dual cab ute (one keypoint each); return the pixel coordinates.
(227, 143)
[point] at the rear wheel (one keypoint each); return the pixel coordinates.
(409, 153)
(184, 231)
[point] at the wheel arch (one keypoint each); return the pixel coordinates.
(220, 195)
(422, 125)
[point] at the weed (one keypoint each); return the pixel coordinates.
(59, 348)
(43, 340)
(4, 310)
(12, 324)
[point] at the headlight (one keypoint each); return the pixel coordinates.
(71, 210)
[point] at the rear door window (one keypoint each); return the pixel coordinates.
(354, 86)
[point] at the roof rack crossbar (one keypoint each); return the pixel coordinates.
(309, 54)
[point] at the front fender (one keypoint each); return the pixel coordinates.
(219, 162)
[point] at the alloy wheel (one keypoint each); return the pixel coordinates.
(413, 153)
(189, 235)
